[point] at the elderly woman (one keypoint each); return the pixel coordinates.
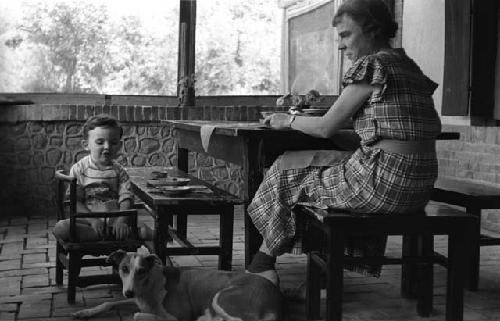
(393, 171)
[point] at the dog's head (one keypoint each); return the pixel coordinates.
(140, 271)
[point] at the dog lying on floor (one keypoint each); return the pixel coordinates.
(170, 293)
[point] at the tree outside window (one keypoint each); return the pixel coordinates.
(130, 47)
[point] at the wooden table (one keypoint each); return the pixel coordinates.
(253, 147)
(203, 201)
(474, 197)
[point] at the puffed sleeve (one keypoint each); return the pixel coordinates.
(368, 70)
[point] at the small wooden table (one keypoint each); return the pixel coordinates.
(474, 197)
(208, 201)
(254, 147)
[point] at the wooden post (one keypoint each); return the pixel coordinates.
(186, 55)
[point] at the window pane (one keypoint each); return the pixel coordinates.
(91, 46)
(238, 47)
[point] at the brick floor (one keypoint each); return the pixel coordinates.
(28, 291)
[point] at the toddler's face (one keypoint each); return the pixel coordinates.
(103, 144)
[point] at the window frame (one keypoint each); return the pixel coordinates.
(471, 30)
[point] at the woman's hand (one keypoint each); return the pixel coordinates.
(279, 120)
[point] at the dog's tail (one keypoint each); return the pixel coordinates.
(218, 311)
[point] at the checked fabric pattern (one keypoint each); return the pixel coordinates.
(370, 180)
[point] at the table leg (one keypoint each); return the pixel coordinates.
(253, 174)
(161, 235)
(472, 275)
(183, 165)
(182, 159)
(226, 227)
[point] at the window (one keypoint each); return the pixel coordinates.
(92, 46)
(311, 47)
(238, 47)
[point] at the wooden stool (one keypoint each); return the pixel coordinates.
(163, 208)
(417, 259)
(474, 197)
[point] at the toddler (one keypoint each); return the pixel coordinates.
(102, 184)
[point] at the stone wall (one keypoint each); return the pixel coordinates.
(36, 140)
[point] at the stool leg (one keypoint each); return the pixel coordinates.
(409, 270)
(472, 275)
(226, 238)
(335, 275)
(425, 276)
(456, 273)
(313, 286)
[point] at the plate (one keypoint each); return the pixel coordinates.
(175, 190)
(168, 181)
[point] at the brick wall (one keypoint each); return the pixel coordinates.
(475, 157)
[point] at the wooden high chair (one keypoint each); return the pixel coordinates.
(72, 254)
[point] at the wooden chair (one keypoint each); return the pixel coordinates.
(70, 253)
(326, 238)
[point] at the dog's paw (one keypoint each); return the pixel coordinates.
(141, 316)
(86, 313)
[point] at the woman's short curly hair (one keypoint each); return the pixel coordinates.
(372, 15)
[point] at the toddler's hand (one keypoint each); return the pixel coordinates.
(121, 230)
(98, 226)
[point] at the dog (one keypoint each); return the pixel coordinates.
(174, 294)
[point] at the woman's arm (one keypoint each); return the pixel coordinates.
(352, 97)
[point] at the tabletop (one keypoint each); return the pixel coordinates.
(253, 128)
(202, 191)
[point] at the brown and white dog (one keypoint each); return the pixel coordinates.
(170, 293)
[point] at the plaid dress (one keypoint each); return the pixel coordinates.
(369, 179)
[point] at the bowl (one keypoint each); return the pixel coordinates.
(169, 181)
(157, 174)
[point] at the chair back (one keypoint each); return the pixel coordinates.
(63, 202)
(69, 206)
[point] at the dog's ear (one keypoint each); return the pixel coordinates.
(116, 257)
(151, 260)
(172, 274)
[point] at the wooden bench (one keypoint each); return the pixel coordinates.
(474, 197)
(417, 257)
(209, 201)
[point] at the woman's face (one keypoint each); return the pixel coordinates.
(352, 40)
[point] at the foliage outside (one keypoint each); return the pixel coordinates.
(115, 47)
